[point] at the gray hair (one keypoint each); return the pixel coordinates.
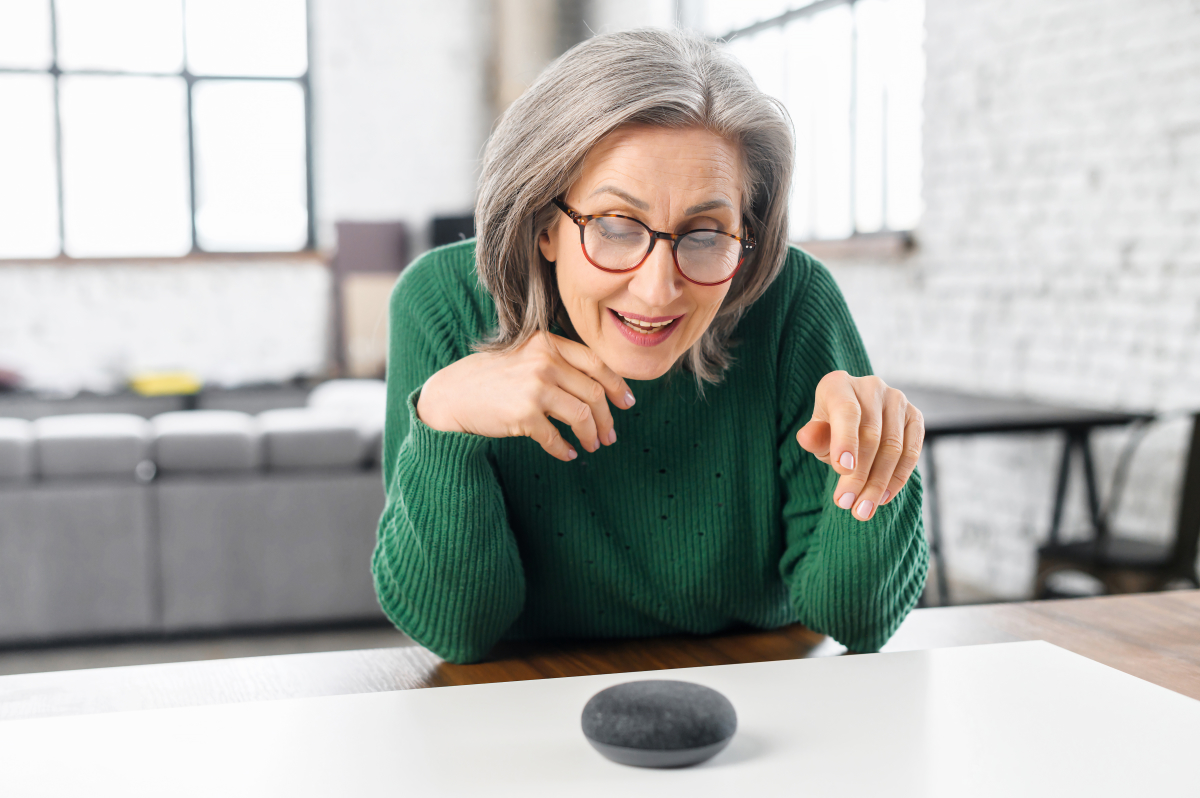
(653, 77)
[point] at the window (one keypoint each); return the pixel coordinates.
(153, 127)
(851, 74)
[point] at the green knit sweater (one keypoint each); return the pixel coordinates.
(705, 515)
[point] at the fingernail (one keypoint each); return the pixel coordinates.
(887, 494)
(596, 445)
(864, 509)
(846, 501)
(572, 453)
(628, 399)
(612, 436)
(847, 460)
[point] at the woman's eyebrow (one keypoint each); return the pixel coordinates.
(632, 200)
(645, 206)
(711, 205)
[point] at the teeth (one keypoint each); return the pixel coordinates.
(643, 326)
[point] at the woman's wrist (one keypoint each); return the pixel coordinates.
(432, 410)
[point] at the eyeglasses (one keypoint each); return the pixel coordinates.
(614, 243)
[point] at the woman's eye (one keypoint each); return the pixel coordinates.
(618, 229)
(702, 240)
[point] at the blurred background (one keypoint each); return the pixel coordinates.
(204, 204)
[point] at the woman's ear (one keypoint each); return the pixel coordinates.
(548, 243)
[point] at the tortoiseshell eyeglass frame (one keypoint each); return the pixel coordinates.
(581, 220)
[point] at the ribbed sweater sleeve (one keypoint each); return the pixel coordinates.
(446, 566)
(854, 581)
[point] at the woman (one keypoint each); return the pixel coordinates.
(632, 275)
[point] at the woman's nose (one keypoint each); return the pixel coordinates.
(657, 283)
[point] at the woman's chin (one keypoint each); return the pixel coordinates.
(639, 369)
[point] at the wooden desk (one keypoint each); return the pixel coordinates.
(1155, 637)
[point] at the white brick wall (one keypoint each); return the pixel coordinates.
(1059, 254)
(66, 327)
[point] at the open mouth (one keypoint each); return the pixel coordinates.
(646, 327)
(644, 331)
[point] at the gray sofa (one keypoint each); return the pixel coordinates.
(200, 520)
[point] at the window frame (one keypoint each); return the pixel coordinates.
(190, 79)
(884, 242)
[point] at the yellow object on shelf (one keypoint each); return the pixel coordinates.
(165, 383)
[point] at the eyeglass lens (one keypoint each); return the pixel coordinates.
(619, 244)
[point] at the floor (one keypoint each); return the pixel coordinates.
(107, 655)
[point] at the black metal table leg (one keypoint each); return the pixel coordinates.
(1060, 491)
(1093, 494)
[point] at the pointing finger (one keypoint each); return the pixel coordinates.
(888, 451)
(842, 408)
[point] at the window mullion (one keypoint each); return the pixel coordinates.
(306, 83)
(883, 164)
(58, 148)
(853, 118)
(189, 79)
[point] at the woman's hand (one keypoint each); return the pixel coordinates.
(869, 433)
(516, 394)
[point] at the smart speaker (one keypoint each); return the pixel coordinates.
(659, 723)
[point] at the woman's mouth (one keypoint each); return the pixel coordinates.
(643, 332)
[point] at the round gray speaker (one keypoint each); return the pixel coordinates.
(659, 723)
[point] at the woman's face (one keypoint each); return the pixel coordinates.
(674, 181)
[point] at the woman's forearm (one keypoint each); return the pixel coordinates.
(446, 566)
(859, 580)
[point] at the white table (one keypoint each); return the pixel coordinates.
(1012, 719)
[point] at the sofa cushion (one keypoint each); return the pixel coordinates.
(373, 434)
(16, 449)
(309, 438)
(368, 397)
(101, 444)
(364, 402)
(206, 440)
